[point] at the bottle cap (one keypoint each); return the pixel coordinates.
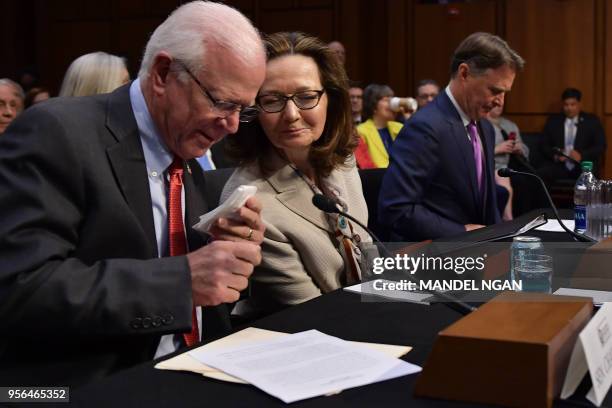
(587, 165)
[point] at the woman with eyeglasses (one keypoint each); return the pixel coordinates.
(301, 144)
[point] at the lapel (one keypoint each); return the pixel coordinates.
(464, 147)
(195, 203)
(127, 161)
(579, 128)
(560, 142)
(295, 194)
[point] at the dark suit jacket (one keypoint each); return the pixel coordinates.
(430, 189)
(82, 291)
(590, 137)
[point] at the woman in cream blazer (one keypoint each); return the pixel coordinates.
(301, 144)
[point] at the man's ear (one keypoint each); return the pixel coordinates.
(160, 70)
(463, 71)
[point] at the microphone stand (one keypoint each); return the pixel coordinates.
(508, 172)
(327, 205)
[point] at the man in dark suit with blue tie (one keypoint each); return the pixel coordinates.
(578, 134)
(440, 181)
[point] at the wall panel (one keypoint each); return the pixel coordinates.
(398, 42)
(438, 30)
(557, 39)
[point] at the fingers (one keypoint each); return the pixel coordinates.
(248, 225)
(220, 270)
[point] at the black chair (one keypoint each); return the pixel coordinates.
(371, 179)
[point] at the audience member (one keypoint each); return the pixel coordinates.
(379, 130)
(356, 95)
(99, 269)
(338, 49)
(426, 91)
(578, 134)
(301, 145)
(36, 95)
(507, 142)
(94, 73)
(11, 102)
(440, 181)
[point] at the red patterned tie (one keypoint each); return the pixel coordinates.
(176, 233)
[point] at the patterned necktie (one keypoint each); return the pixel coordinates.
(473, 132)
(176, 233)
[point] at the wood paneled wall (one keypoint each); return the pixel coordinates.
(398, 42)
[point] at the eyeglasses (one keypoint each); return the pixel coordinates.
(223, 108)
(304, 100)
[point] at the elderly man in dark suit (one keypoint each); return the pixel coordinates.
(440, 181)
(577, 134)
(99, 266)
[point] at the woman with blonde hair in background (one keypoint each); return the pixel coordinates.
(94, 73)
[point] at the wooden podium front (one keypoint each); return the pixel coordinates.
(513, 351)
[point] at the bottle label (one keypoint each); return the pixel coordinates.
(580, 217)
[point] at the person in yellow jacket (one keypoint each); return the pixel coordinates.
(378, 132)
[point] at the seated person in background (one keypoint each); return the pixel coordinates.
(94, 73)
(507, 142)
(301, 144)
(379, 130)
(11, 102)
(578, 134)
(426, 91)
(36, 95)
(356, 95)
(440, 181)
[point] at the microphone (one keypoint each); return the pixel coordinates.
(508, 172)
(568, 157)
(328, 205)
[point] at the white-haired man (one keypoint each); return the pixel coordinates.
(11, 102)
(99, 266)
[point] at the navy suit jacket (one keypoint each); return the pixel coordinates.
(430, 190)
(590, 137)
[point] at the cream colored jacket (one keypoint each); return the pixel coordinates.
(300, 258)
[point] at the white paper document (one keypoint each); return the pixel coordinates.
(554, 226)
(305, 365)
(592, 353)
(376, 287)
(599, 296)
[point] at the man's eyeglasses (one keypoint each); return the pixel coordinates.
(304, 100)
(223, 108)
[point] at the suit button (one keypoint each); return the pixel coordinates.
(136, 323)
(167, 319)
(157, 321)
(146, 322)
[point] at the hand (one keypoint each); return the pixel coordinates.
(504, 147)
(517, 148)
(249, 228)
(560, 159)
(471, 227)
(220, 270)
(574, 154)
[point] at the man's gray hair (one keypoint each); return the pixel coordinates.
(482, 51)
(191, 28)
(18, 89)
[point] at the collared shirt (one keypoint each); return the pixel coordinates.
(570, 133)
(157, 159)
(464, 118)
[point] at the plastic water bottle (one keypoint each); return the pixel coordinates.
(580, 197)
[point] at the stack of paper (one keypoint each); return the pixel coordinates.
(293, 367)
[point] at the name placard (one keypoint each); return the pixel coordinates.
(592, 353)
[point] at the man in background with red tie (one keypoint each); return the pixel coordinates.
(440, 180)
(99, 266)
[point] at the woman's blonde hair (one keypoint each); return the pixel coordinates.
(94, 73)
